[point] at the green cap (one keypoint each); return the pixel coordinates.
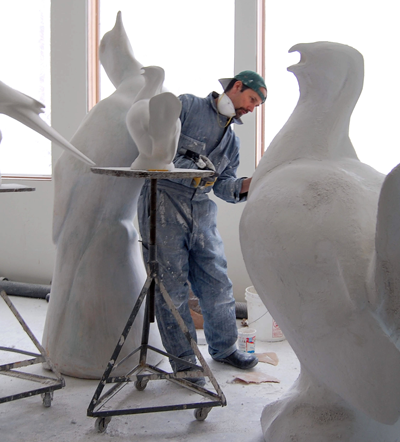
(254, 81)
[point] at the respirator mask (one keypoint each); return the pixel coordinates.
(225, 106)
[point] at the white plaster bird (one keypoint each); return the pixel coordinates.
(99, 270)
(325, 268)
(26, 110)
(153, 123)
(1, 137)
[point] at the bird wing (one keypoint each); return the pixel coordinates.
(306, 246)
(386, 274)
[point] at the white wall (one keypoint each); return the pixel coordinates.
(26, 250)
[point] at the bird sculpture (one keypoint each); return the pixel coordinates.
(154, 124)
(99, 270)
(320, 239)
(1, 137)
(26, 110)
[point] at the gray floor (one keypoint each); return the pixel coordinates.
(27, 419)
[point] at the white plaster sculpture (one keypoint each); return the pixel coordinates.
(1, 137)
(99, 270)
(154, 124)
(26, 110)
(323, 254)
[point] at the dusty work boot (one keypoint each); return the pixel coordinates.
(200, 381)
(240, 359)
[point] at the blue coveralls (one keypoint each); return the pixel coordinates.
(189, 247)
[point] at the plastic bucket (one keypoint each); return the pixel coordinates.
(247, 340)
(259, 318)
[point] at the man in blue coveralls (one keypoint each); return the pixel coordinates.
(189, 247)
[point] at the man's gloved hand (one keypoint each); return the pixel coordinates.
(204, 163)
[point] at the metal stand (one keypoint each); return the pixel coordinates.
(51, 384)
(15, 188)
(143, 372)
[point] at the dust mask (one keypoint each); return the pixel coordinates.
(225, 106)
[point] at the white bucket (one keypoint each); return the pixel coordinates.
(247, 340)
(258, 317)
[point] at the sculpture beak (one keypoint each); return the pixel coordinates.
(300, 49)
(26, 110)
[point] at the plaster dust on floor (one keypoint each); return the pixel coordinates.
(27, 420)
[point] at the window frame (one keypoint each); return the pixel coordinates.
(260, 47)
(93, 53)
(94, 65)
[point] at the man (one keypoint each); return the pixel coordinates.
(189, 247)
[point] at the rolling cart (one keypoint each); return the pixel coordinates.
(144, 372)
(49, 384)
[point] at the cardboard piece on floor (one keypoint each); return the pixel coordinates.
(255, 378)
(269, 358)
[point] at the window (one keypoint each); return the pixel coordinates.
(25, 66)
(192, 41)
(369, 27)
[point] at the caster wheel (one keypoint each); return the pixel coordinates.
(47, 398)
(201, 413)
(141, 384)
(101, 424)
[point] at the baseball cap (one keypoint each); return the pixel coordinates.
(250, 79)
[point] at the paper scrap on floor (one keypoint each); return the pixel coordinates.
(269, 358)
(254, 378)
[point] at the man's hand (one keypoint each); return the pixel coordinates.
(245, 185)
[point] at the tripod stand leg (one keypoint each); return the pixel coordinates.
(120, 344)
(192, 342)
(148, 317)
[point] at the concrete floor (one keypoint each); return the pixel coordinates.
(27, 419)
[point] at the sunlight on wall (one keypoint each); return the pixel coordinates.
(192, 41)
(371, 28)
